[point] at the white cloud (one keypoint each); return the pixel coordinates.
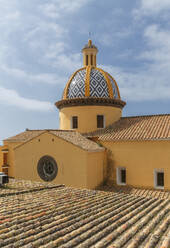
(69, 62)
(151, 7)
(57, 8)
(157, 37)
(150, 81)
(9, 14)
(54, 50)
(9, 17)
(12, 98)
(155, 6)
(45, 78)
(158, 51)
(42, 29)
(145, 84)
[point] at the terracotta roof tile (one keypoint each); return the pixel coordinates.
(24, 136)
(78, 140)
(154, 193)
(66, 218)
(72, 137)
(151, 127)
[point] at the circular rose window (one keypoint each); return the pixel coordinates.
(47, 168)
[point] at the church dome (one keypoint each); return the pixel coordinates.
(91, 81)
(90, 85)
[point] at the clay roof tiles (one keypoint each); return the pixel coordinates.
(78, 140)
(66, 218)
(72, 137)
(24, 136)
(151, 127)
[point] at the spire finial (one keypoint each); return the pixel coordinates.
(89, 40)
(89, 43)
(89, 54)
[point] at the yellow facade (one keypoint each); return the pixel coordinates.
(140, 158)
(1, 158)
(10, 157)
(73, 162)
(95, 169)
(87, 117)
(90, 92)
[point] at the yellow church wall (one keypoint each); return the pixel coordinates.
(1, 158)
(71, 160)
(95, 167)
(10, 156)
(87, 117)
(140, 158)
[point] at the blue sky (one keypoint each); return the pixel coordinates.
(40, 47)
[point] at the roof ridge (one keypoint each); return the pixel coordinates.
(60, 130)
(123, 117)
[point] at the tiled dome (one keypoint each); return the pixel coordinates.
(90, 85)
(91, 82)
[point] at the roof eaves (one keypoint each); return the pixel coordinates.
(116, 140)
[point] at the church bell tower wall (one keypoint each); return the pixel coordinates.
(87, 117)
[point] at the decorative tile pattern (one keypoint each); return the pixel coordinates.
(77, 85)
(66, 218)
(98, 84)
(115, 93)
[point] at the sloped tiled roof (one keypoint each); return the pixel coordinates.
(162, 194)
(24, 136)
(151, 127)
(78, 140)
(72, 137)
(67, 218)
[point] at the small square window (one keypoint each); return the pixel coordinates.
(159, 179)
(74, 122)
(100, 121)
(121, 176)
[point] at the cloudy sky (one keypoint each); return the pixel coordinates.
(40, 47)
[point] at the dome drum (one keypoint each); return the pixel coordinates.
(90, 101)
